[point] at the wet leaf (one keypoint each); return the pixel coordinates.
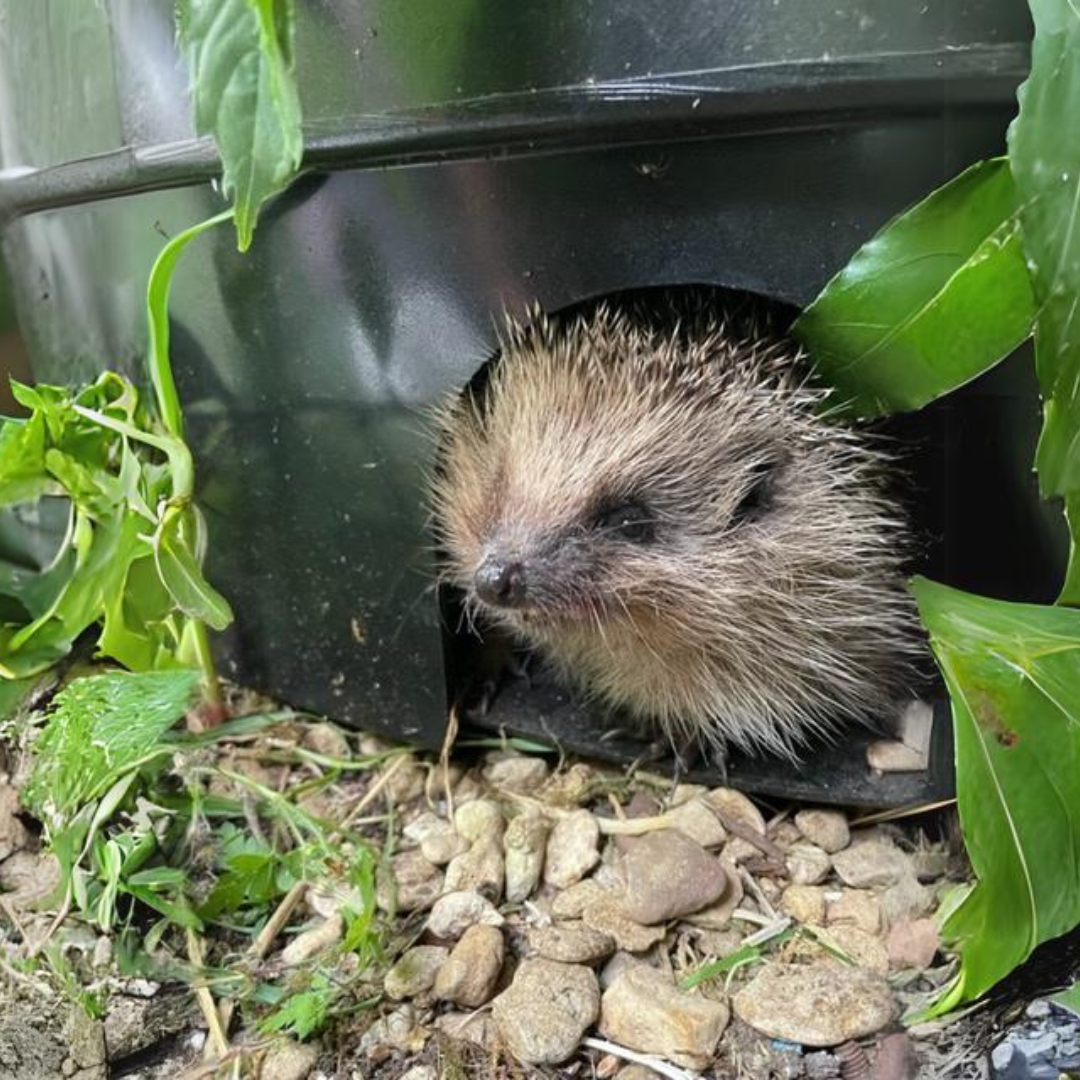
(937, 297)
(1012, 672)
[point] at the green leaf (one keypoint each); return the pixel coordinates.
(303, 1013)
(181, 574)
(176, 910)
(1013, 674)
(241, 58)
(940, 295)
(1045, 158)
(23, 476)
(99, 728)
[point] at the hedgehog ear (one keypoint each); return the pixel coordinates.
(758, 491)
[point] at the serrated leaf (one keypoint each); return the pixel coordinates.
(99, 728)
(1012, 672)
(241, 58)
(183, 577)
(1045, 160)
(937, 297)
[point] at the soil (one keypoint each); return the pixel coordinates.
(152, 1030)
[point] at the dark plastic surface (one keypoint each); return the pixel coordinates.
(571, 150)
(834, 772)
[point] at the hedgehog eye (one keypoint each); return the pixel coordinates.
(758, 495)
(630, 520)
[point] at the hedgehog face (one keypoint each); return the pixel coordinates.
(668, 519)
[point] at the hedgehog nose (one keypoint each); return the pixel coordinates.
(500, 582)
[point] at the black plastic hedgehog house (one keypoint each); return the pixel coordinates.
(465, 159)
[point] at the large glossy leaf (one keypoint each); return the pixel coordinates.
(937, 297)
(241, 58)
(1012, 671)
(1044, 152)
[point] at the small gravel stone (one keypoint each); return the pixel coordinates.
(420, 1072)
(614, 968)
(305, 945)
(669, 875)
(866, 949)
(480, 869)
(13, 833)
(821, 1065)
(684, 793)
(407, 783)
(415, 971)
(734, 804)
(454, 913)
(570, 788)
(905, 900)
(785, 833)
(438, 841)
(414, 883)
(289, 1060)
(518, 773)
(572, 849)
(872, 864)
(859, 907)
(717, 916)
(815, 1004)
(103, 954)
(716, 943)
(807, 864)
(571, 903)
(912, 944)
(804, 903)
(479, 820)
(699, 822)
(473, 1027)
(546, 1010)
(326, 739)
(635, 1072)
(571, 943)
(26, 878)
(606, 914)
(828, 829)
(644, 1011)
(133, 1023)
(468, 977)
(395, 1029)
(524, 845)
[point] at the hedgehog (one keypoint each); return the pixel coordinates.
(657, 500)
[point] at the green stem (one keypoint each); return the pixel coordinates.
(201, 641)
(157, 317)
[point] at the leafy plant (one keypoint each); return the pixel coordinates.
(147, 852)
(241, 58)
(943, 293)
(130, 558)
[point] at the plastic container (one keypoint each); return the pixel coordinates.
(466, 158)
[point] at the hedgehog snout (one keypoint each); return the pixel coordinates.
(500, 581)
